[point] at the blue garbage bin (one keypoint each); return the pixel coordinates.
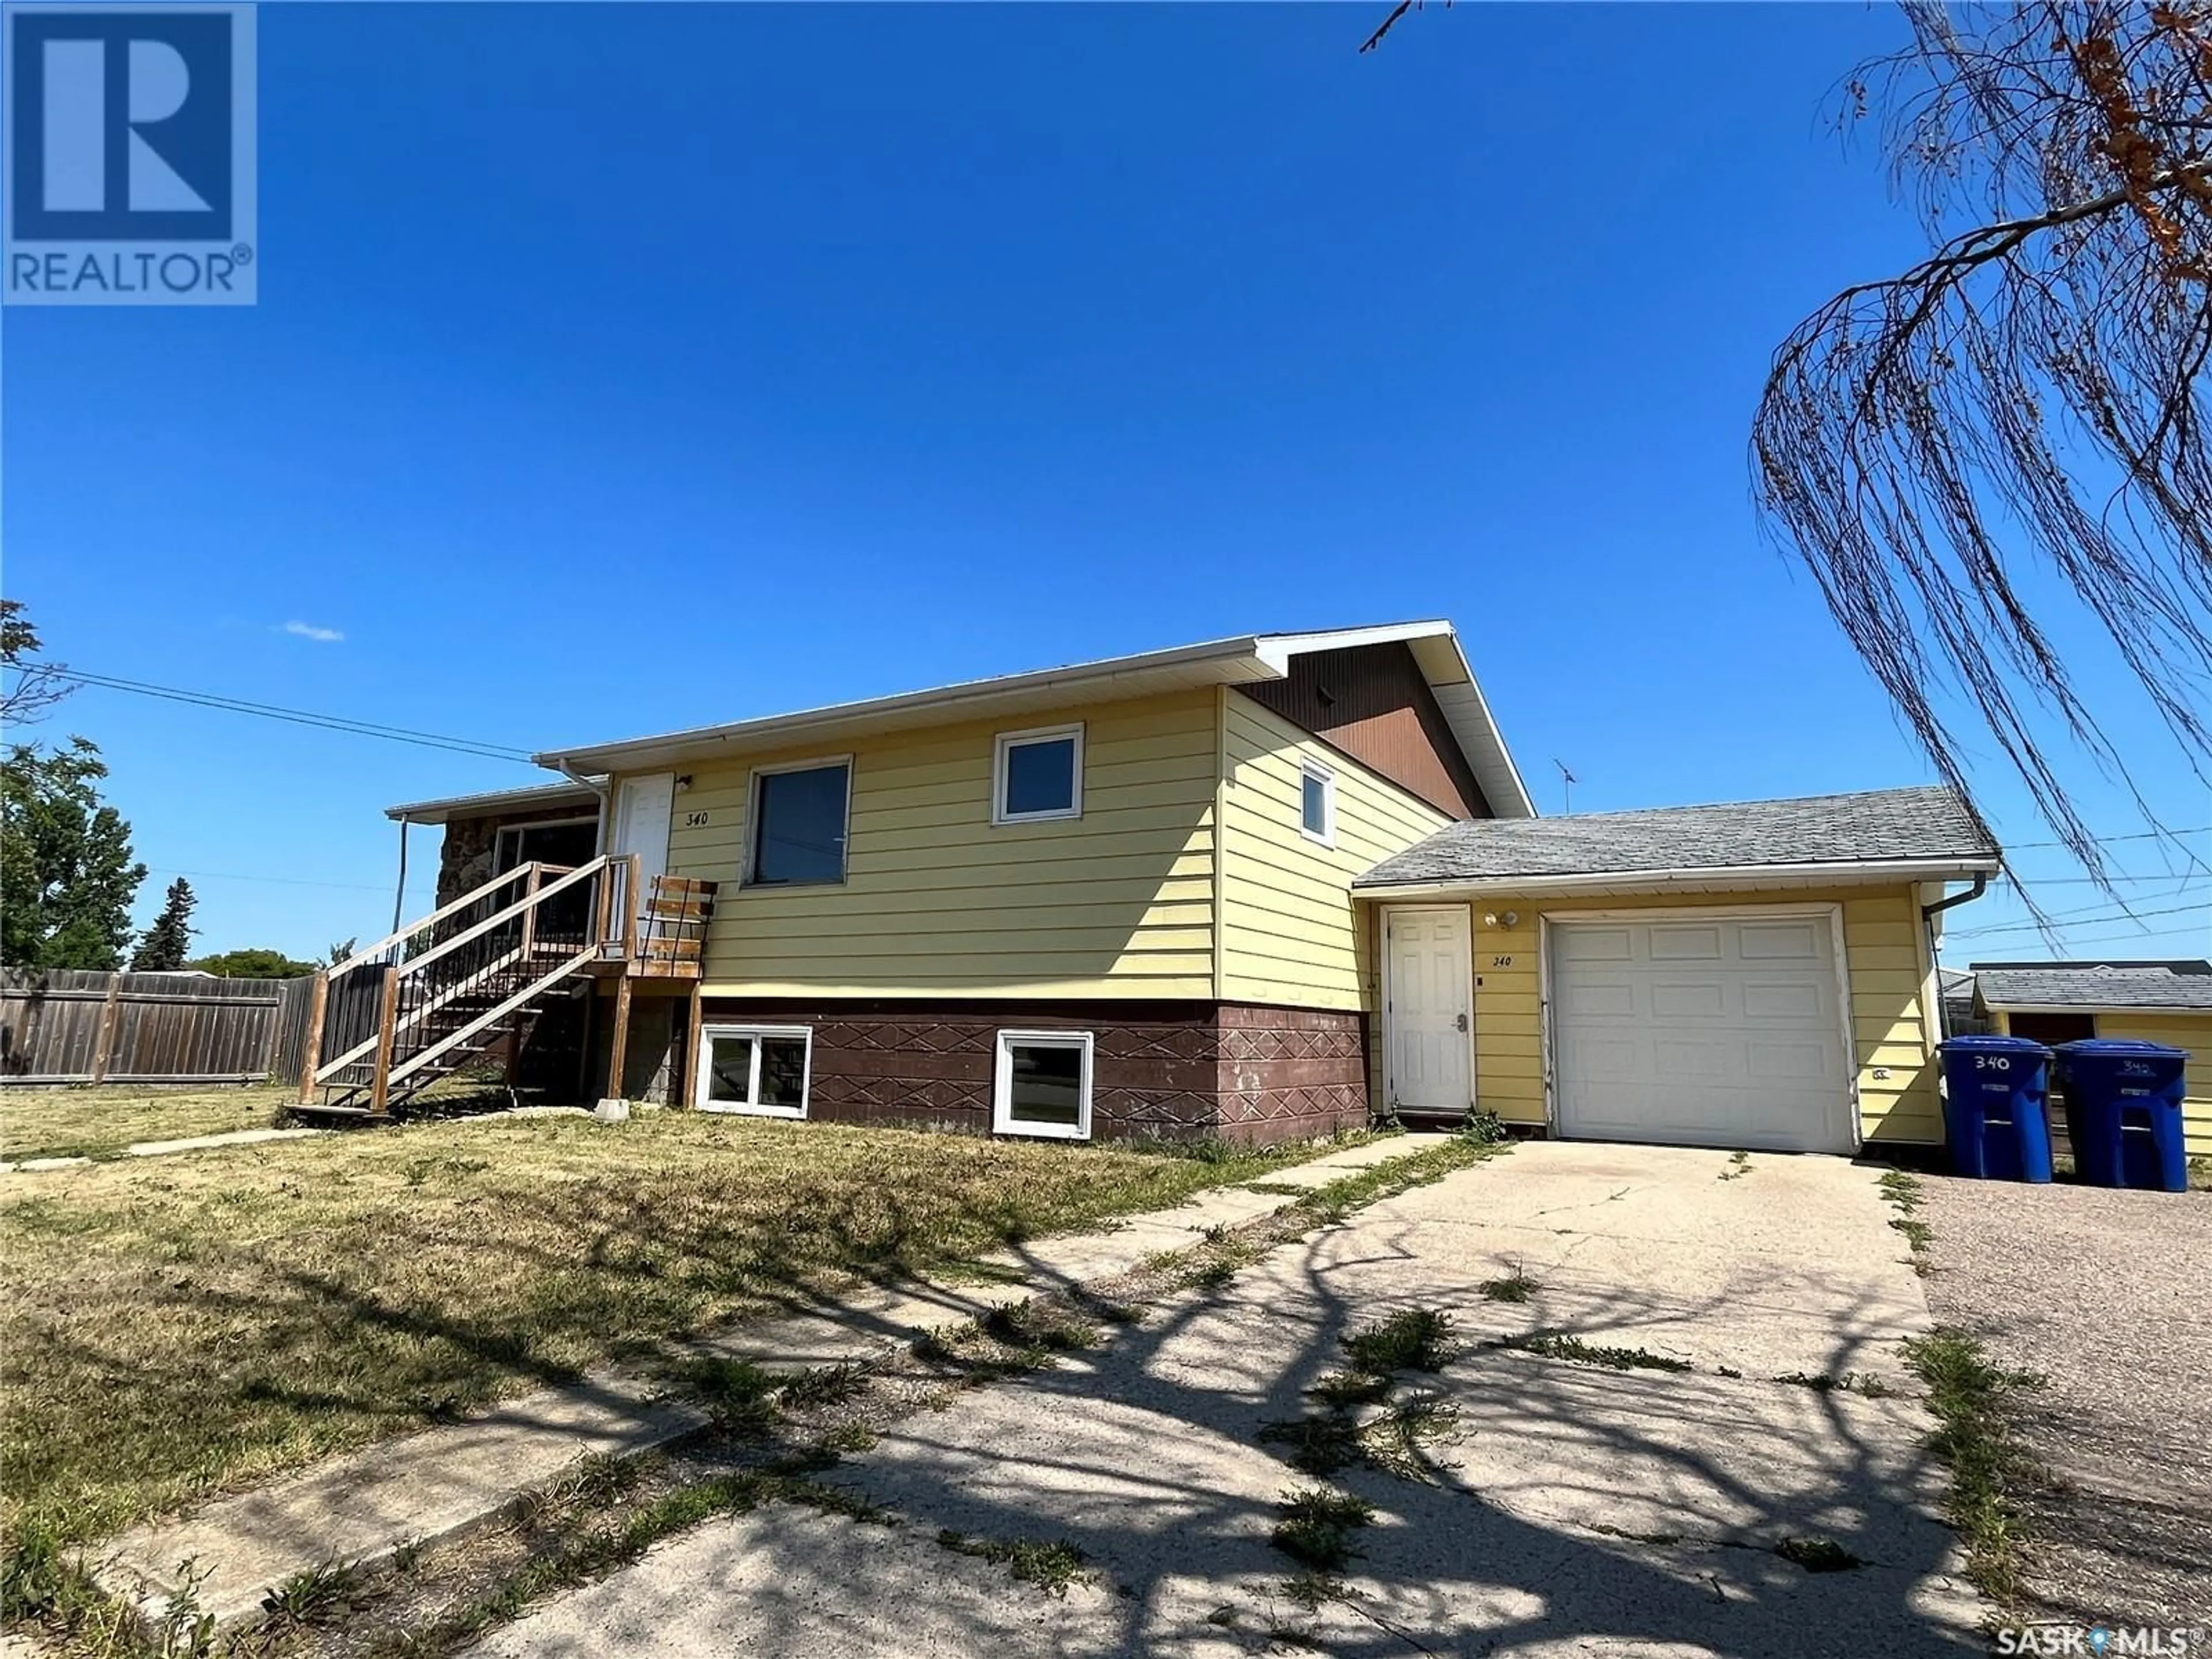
(1993, 1107)
(2123, 1112)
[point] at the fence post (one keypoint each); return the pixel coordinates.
(104, 1045)
(635, 897)
(312, 1051)
(387, 1029)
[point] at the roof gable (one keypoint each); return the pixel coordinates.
(1246, 660)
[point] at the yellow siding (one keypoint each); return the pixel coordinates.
(1291, 932)
(2189, 1031)
(939, 901)
(1894, 1033)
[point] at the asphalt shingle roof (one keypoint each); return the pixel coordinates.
(2096, 984)
(1883, 824)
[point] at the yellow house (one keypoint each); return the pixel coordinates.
(1261, 888)
(2167, 1002)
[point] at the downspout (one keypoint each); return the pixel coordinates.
(399, 898)
(1927, 914)
(602, 788)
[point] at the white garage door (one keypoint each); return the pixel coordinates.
(1700, 1031)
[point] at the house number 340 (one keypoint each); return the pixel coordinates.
(1501, 962)
(693, 820)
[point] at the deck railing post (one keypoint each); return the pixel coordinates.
(601, 910)
(387, 1029)
(530, 916)
(632, 898)
(312, 1054)
(619, 1048)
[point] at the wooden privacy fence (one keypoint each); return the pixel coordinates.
(68, 1025)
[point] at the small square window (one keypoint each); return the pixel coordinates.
(759, 1071)
(798, 833)
(1037, 774)
(1317, 803)
(1043, 1084)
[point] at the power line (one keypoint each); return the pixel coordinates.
(2143, 938)
(2096, 881)
(2078, 918)
(2105, 841)
(294, 716)
(273, 881)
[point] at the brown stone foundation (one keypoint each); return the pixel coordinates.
(1170, 1070)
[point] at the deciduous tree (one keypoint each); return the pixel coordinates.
(67, 877)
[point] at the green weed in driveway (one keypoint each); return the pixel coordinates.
(1971, 1401)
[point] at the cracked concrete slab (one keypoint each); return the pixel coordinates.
(1573, 1509)
(441, 1482)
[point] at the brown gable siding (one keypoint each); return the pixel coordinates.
(1373, 702)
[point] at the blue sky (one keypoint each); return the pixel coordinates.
(622, 369)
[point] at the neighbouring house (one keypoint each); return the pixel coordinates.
(2168, 1002)
(1258, 888)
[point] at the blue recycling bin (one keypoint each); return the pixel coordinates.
(2123, 1112)
(1993, 1107)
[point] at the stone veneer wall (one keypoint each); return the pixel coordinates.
(1171, 1070)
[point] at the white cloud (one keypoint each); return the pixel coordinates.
(310, 631)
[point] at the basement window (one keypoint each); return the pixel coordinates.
(1317, 803)
(1043, 1084)
(760, 1071)
(1037, 774)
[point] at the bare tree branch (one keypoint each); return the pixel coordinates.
(2019, 412)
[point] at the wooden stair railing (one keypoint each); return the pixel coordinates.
(421, 1001)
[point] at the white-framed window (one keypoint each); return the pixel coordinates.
(1037, 774)
(1317, 803)
(762, 1070)
(795, 832)
(1043, 1084)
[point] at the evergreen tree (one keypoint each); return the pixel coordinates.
(67, 877)
(161, 948)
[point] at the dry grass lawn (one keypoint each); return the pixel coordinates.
(100, 1122)
(170, 1328)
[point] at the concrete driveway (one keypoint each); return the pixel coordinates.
(1574, 1509)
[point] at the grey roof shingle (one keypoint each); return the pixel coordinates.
(2095, 984)
(1882, 824)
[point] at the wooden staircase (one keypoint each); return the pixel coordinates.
(417, 1005)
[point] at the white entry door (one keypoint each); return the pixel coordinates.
(1701, 1031)
(644, 808)
(1430, 992)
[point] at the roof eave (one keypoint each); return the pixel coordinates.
(1831, 872)
(2096, 1007)
(488, 802)
(701, 742)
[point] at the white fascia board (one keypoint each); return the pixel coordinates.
(491, 801)
(1276, 650)
(1436, 645)
(2161, 1008)
(1831, 874)
(1221, 655)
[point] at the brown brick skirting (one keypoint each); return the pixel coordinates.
(1169, 1069)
